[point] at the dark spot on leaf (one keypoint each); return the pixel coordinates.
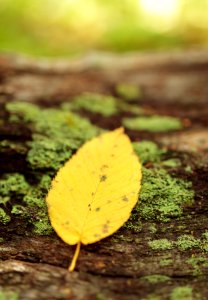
(104, 167)
(89, 206)
(124, 198)
(103, 178)
(105, 228)
(97, 235)
(66, 223)
(97, 209)
(93, 194)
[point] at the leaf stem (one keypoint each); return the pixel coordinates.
(74, 259)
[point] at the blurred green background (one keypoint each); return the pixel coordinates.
(70, 27)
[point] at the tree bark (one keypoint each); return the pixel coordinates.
(123, 266)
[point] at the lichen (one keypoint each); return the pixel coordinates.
(162, 196)
(187, 241)
(182, 293)
(161, 244)
(128, 91)
(156, 278)
(95, 103)
(4, 217)
(153, 123)
(148, 151)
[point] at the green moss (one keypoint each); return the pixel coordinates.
(152, 297)
(133, 224)
(205, 234)
(186, 241)
(127, 107)
(36, 205)
(45, 182)
(13, 183)
(8, 295)
(162, 196)
(42, 226)
(197, 262)
(188, 169)
(172, 163)
(153, 123)
(4, 217)
(156, 278)
(161, 244)
(19, 210)
(22, 110)
(152, 228)
(46, 153)
(32, 206)
(166, 262)
(128, 91)
(57, 133)
(35, 198)
(1, 240)
(6, 145)
(182, 293)
(96, 103)
(148, 151)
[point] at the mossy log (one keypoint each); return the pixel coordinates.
(161, 100)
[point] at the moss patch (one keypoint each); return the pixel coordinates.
(156, 278)
(8, 295)
(13, 183)
(161, 244)
(128, 91)
(197, 262)
(166, 262)
(31, 205)
(56, 135)
(4, 217)
(162, 196)
(95, 103)
(186, 241)
(182, 293)
(172, 163)
(153, 123)
(148, 151)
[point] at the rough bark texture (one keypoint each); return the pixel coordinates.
(124, 266)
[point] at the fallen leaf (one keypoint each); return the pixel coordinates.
(94, 193)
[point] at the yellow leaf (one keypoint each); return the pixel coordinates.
(93, 194)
